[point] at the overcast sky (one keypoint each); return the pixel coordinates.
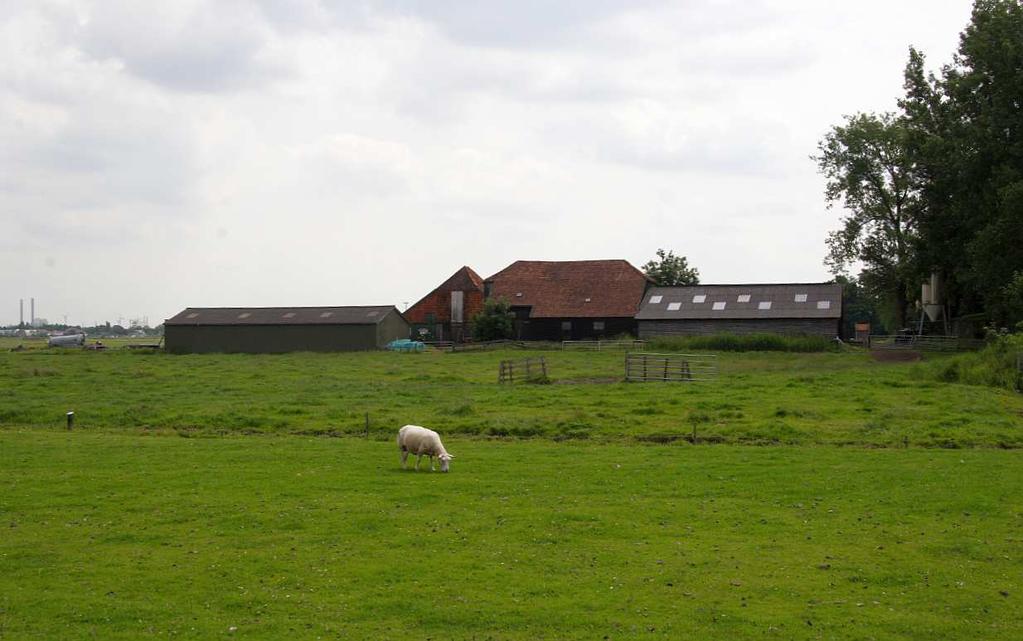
(158, 155)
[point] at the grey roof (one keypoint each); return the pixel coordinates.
(358, 315)
(782, 298)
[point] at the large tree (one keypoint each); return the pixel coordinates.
(940, 186)
(869, 173)
(670, 270)
(966, 142)
(985, 86)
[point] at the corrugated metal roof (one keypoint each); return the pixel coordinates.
(356, 315)
(571, 289)
(822, 300)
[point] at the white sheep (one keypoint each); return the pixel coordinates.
(413, 439)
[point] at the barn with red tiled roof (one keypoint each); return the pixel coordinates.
(446, 313)
(570, 300)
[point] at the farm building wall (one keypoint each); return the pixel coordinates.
(273, 339)
(431, 318)
(552, 329)
(391, 327)
(828, 327)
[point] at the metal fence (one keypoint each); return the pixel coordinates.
(523, 371)
(683, 368)
(486, 345)
(601, 345)
(439, 345)
(924, 343)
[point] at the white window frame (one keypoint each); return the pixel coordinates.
(742, 298)
(674, 307)
(800, 298)
(719, 305)
(824, 304)
(655, 299)
(699, 298)
(764, 305)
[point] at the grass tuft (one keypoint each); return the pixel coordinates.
(746, 343)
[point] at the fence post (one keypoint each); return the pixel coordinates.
(70, 420)
(665, 369)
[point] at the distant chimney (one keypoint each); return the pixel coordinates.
(32, 312)
(21, 312)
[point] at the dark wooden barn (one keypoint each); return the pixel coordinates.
(283, 329)
(570, 300)
(446, 313)
(811, 308)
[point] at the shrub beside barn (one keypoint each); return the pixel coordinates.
(283, 329)
(812, 308)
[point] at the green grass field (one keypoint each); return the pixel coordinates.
(124, 537)
(880, 503)
(760, 398)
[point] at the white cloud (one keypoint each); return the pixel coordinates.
(304, 152)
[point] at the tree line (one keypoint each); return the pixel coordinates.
(937, 186)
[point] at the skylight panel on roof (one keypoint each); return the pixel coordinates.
(326, 314)
(824, 304)
(719, 305)
(674, 307)
(655, 299)
(192, 315)
(700, 298)
(743, 298)
(800, 298)
(764, 304)
(244, 315)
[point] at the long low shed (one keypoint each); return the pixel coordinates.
(283, 329)
(808, 308)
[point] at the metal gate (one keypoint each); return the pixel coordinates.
(683, 368)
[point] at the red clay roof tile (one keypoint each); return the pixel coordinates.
(571, 289)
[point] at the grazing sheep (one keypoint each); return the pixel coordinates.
(413, 439)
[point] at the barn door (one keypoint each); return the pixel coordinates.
(457, 300)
